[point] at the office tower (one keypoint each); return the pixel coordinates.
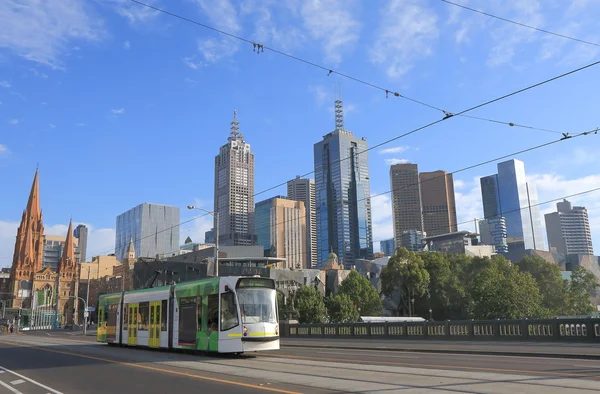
(493, 232)
(304, 190)
(281, 230)
(54, 248)
(81, 233)
(412, 240)
(209, 236)
(406, 200)
(437, 199)
(234, 190)
(387, 247)
(508, 194)
(568, 229)
(154, 229)
(342, 190)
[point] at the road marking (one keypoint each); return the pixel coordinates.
(29, 380)
(12, 389)
(18, 381)
(190, 375)
(387, 356)
(587, 366)
(416, 365)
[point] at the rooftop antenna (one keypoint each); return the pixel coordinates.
(235, 128)
(339, 110)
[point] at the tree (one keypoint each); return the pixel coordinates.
(405, 272)
(362, 293)
(579, 289)
(341, 309)
(549, 279)
(446, 294)
(501, 291)
(310, 305)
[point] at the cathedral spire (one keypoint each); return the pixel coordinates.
(33, 209)
(68, 256)
(131, 250)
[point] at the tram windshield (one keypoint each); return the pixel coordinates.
(257, 300)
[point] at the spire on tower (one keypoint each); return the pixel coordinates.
(339, 109)
(131, 250)
(68, 257)
(33, 209)
(235, 128)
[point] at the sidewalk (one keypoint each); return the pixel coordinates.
(581, 350)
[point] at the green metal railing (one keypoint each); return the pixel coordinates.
(583, 330)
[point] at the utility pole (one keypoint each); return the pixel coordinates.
(86, 313)
(57, 300)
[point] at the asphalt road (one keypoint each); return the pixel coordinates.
(73, 364)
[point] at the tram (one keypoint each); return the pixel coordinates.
(221, 314)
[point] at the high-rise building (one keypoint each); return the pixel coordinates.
(407, 207)
(81, 233)
(387, 247)
(154, 229)
(54, 247)
(493, 232)
(509, 195)
(234, 190)
(412, 240)
(281, 230)
(304, 190)
(437, 199)
(209, 236)
(568, 229)
(343, 202)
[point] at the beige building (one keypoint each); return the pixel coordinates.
(437, 199)
(406, 200)
(99, 267)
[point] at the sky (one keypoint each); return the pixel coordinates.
(119, 104)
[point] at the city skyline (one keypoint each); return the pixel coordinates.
(168, 122)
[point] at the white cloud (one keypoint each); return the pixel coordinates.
(396, 149)
(13, 121)
(383, 226)
(3, 149)
(126, 45)
(223, 15)
(391, 162)
(407, 32)
(459, 184)
(196, 229)
(5, 84)
(37, 73)
(41, 30)
(336, 26)
(79, 124)
(320, 92)
(118, 111)
(189, 61)
(468, 202)
(135, 13)
(52, 126)
(189, 80)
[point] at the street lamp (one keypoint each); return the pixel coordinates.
(216, 216)
(86, 311)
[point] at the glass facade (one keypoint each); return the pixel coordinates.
(493, 232)
(387, 247)
(154, 229)
(343, 203)
(262, 222)
(516, 200)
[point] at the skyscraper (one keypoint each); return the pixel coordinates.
(342, 189)
(493, 232)
(81, 233)
(509, 195)
(154, 229)
(387, 247)
(407, 208)
(304, 190)
(281, 230)
(568, 229)
(234, 190)
(439, 206)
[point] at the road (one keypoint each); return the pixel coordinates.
(75, 364)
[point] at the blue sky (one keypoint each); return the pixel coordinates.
(120, 104)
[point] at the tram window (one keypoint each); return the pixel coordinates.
(144, 312)
(213, 313)
(111, 319)
(163, 316)
(229, 314)
(199, 313)
(188, 320)
(126, 317)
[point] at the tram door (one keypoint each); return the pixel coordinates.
(155, 319)
(133, 324)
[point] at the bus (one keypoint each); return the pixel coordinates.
(222, 314)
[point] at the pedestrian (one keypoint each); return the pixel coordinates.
(12, 328)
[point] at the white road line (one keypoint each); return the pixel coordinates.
(18, 381)
(586, 366)
(12, 389)
(386, 356)
(50, 390)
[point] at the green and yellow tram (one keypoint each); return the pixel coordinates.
(222, 314)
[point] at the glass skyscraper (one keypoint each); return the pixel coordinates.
(509, 195)
(343, 203)
(154, 229)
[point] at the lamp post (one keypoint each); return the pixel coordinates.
(216, 216)
(86, 308)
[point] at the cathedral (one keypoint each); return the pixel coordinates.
(32, 284)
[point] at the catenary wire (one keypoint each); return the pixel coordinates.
(521, 24)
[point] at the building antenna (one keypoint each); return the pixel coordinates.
(235, 128)
(339, 110)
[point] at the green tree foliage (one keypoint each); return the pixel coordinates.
(341, 309)
(405, 272)
(310, 305)
(578, 292)
(552, 286)
(362, 293)
(446, 294)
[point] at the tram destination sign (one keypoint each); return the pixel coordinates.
(256, 282)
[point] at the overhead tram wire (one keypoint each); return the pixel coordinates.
(521, 24)
(565, 137)
(290, 56)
